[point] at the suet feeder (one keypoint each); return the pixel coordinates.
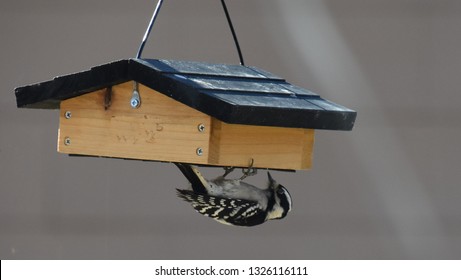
(201, 113)
(183, 111)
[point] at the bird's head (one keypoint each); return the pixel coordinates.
(282, 203)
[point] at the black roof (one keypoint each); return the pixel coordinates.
(231, 93)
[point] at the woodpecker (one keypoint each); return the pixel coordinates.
(232, 201)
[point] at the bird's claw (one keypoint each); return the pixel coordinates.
(227, 170)
(250, 171)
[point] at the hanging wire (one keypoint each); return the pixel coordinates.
(154, 17)
(149, 28)
(233, 32)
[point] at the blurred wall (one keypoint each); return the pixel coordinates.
(389, 189)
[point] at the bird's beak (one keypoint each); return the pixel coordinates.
(271, 180)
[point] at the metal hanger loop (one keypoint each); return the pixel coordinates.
(154, 17)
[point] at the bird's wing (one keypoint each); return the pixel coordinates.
(233, 211)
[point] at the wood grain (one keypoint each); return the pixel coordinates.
(161, 129)
(269, 147)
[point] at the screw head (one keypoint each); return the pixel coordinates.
(201, 127)
(68, 114)
(67, 141)
(199, 152)
(134, 103)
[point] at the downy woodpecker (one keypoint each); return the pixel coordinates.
(232, 201)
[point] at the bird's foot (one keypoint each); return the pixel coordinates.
(227, 171)
(250, 171)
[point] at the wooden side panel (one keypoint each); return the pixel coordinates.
(161, 129)
(270, 147)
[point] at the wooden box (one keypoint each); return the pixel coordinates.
(163, 129)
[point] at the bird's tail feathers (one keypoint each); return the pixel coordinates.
(186, 195)
(193, 175)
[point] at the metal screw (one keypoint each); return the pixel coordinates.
(201, 127)
(134, 103)
(67, 141)
(199, 152)
(67, 114)
(135, 100)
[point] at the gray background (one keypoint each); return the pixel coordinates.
(390, 189)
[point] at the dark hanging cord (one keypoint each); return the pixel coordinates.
(233, 32)
(149, 28)
(154, 17)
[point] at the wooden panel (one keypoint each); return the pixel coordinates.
(207, 69)
(234, 84)
(270, 147)
(161, 129)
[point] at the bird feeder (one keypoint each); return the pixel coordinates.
(190, 112)
(184, 111)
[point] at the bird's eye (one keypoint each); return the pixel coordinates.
(280, 191)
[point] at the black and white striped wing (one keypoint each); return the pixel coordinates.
(237, 212)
